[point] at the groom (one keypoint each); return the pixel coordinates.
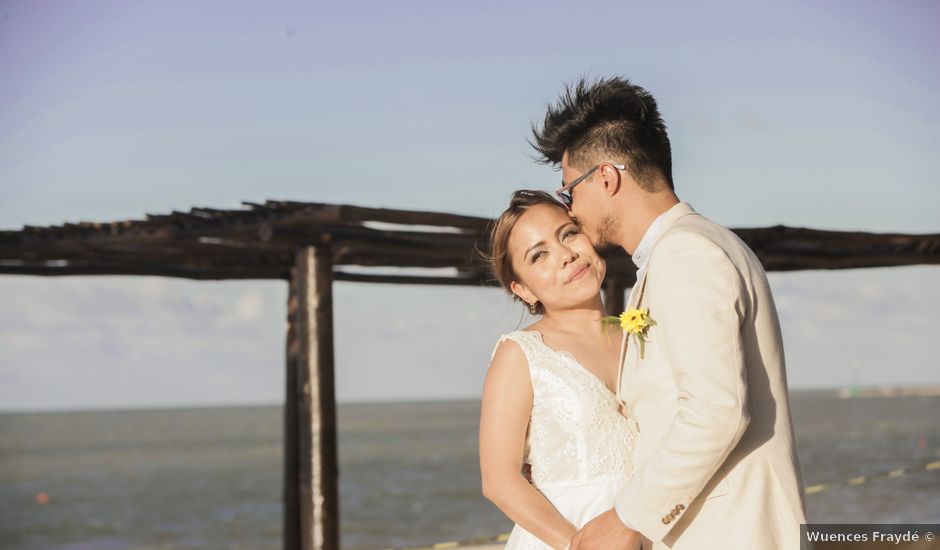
(716, 464)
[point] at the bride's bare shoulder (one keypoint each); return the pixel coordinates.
(508, 371)
(508, 352)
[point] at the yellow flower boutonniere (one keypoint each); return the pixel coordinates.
(633, 321)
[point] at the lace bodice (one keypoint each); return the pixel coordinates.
(576, 434)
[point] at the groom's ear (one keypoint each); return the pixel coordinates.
(612, 179)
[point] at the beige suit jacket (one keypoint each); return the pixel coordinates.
(716, 463)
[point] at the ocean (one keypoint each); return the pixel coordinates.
(212, 477)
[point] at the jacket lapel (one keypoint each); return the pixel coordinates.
(636, 294)
(671, 216)
(674, 214)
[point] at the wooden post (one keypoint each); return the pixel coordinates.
(614, 296)
(291, 495)
(311, 496)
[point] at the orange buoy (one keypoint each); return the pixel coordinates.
(42, 498)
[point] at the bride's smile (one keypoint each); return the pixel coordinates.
(554, 262)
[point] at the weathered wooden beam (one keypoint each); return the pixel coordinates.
(412, 217)
(311, 485)
(184, 270)
(259, 243)
(461, 279)
(275, 267)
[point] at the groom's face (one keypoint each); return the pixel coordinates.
(585, 197)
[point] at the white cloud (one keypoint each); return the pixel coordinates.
(250, 305)
(138, 341)
(874, 324)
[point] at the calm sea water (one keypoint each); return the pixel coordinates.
(211, 478)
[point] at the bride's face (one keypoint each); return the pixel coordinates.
(554, 261)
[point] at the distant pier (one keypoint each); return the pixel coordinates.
(890, 391)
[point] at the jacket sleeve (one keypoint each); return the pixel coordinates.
(698, 300)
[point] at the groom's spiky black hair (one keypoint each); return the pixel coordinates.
(607, 120)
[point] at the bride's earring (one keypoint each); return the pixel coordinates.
(533, 307)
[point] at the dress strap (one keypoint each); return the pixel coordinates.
(530, 342)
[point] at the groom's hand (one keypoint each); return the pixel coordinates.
(605, 532)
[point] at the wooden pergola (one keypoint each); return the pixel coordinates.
(310, 245)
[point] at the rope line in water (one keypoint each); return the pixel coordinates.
(900, 472)
(810, 490)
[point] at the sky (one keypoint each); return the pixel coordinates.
(802, 113)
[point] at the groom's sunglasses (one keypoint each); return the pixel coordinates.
(564, 194)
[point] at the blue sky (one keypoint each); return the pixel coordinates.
(807, 114)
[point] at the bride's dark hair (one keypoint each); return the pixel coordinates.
(498, 257)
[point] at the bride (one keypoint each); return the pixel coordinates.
(550, 396)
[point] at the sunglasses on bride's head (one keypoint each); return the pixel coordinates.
(564, 194)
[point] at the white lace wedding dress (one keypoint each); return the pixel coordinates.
(579, 445)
